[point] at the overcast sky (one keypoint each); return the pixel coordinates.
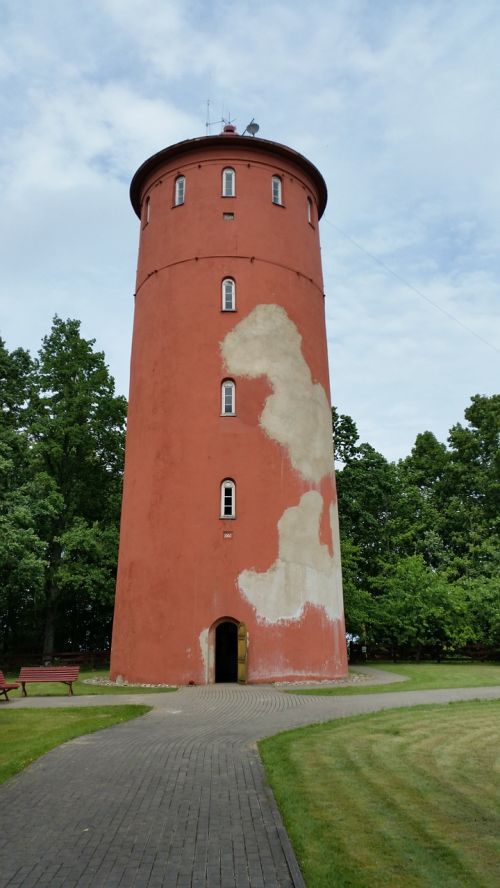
(397, 103)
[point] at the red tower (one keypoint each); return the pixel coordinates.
(229, 560)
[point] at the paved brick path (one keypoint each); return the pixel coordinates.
(174, 799)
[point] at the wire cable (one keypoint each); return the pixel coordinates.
(411, 286)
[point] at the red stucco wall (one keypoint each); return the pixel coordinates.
(177, 573)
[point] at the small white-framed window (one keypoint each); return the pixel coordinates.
(146, 212)
(228, 398)
(228, 182)
(276, 190)
(180, 190)
(228, 295)
(309, 211)
(228, 499)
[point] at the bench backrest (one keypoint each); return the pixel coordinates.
(49, 673)
(2, 678)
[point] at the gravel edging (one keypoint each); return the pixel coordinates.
(354, 678)
(107, 683)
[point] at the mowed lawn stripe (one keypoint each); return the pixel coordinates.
(419, 677)
(404, 797)
(389, 795)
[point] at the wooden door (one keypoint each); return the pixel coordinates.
(242, 653)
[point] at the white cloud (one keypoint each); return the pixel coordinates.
(396, 104)
(88, 131)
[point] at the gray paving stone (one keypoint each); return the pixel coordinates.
(177, 799)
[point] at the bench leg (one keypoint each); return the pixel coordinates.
(23, 683)
(70, 688)
(4, 692)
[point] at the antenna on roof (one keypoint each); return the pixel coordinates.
(209, 123)
(252, 128)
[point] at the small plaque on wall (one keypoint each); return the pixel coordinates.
(228, 534)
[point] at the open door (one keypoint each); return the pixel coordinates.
(226, 651)
(242, 653)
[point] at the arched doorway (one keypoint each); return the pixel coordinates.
(226, 651)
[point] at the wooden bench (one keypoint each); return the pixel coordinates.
(6, 686)
(65, 674)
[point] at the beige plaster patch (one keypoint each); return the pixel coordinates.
(204, 650)
(336, 560)
(297, 414)
(304, 571)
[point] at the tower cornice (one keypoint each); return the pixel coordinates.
(224, 142)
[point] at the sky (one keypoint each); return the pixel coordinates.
(395, 101)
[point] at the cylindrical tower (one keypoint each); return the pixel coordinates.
(229, 562)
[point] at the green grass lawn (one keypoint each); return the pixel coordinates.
(420, 677)
(409, 797)
(56, 689)
(26, 734)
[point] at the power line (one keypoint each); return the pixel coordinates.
(412, 287)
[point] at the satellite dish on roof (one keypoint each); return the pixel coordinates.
(252, 128)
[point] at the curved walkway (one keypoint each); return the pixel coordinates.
(176, 799)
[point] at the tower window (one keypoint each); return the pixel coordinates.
(228, 182)
(276, 190)
(228, 392)
(146, 212)
(228, 499)
(309, 211)
(180, 190)
(228, 295)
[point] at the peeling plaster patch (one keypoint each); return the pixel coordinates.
(297, 414)
(336, 560)
(304, 571)
(204, 651)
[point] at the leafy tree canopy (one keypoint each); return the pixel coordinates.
(421, 536)
(61, 459)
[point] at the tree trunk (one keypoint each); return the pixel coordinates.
(49, 632)
(51, 602)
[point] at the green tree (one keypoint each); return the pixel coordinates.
(417, 611)
(368, 491)
(21, 552)
(473, 488)
(77, 430)
(22, 563)
(76, 427)
(440, 506)
(427, 463)
(86, 581)
(357, 601)
(345, 437)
